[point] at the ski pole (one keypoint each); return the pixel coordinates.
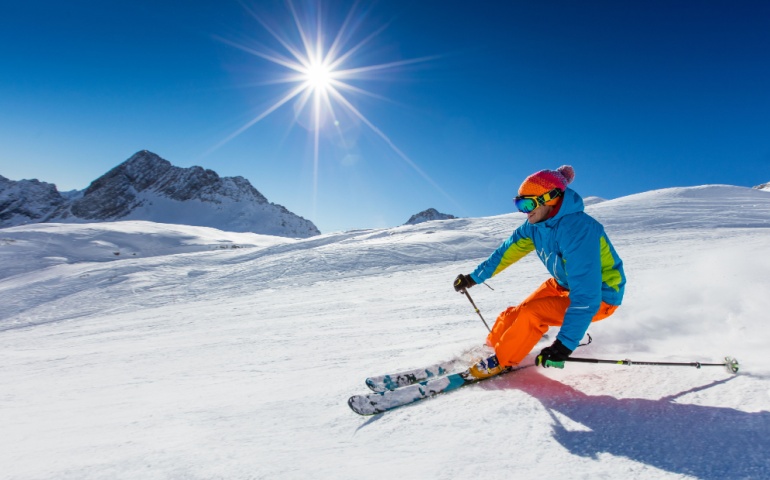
(465, 291)
(730, 363)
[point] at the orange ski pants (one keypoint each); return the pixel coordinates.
(518, 329)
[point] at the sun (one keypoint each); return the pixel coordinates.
(318, 76)
(322, 69)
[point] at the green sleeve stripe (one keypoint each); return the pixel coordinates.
(610, 275)
(514, 253)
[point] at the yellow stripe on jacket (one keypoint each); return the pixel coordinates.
(514, 253)
(611, 276)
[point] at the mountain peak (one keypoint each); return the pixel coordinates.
(141, 171)
(427, 216)
(148, 187)
(143, 161)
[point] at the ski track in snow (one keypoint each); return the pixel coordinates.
(189, 360)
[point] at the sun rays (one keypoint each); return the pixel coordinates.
(322, 77)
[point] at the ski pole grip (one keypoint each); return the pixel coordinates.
(551, 363)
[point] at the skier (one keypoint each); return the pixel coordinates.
(588, 279)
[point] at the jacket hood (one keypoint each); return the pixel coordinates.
(572, 203)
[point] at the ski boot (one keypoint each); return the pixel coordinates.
(486, 368)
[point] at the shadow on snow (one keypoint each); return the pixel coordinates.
(702, 441)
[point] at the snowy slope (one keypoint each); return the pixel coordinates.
(32, 247)
(236, 363)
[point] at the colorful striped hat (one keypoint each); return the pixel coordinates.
(546, 180)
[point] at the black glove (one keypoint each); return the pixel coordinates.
(462, 282)
(553, 356)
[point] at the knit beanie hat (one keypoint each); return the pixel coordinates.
(546, 180)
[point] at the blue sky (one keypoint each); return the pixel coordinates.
(636, 95)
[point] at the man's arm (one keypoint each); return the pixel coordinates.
(511, 251)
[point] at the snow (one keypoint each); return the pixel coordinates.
(31, 247)
(237, 215)
(188, 360)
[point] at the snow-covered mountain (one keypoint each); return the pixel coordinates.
(587, 201)
(764, 186)
(147, 187)
(428, 216)
(28, 201)
(193, 361)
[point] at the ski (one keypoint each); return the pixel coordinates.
(393, 381)
(379, 402)
(383, 383)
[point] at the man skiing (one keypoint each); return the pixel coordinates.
(588, 279)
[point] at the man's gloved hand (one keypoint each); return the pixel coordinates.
(463, 281)
(553, 356)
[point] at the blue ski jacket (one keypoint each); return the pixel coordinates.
(578, 254)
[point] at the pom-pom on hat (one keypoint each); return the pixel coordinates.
(546, 180)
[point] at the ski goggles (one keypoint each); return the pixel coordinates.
(526, 204)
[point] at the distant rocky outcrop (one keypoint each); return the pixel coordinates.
(427, 216)
(593, 200)
(28, 201)
(764, 186)
(147, 187)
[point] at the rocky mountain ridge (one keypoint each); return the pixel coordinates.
(427, 216)
(147, 187)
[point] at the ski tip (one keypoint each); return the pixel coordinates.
(353, 404)
(732, 364)
(358, 404)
